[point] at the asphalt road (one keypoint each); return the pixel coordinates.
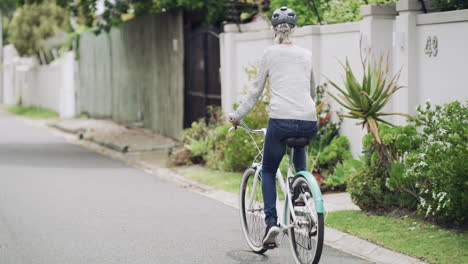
(61, 204)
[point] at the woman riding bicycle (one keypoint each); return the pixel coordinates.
(292, 107)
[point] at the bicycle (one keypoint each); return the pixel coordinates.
(304, 225)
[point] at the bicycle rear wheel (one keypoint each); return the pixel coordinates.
(307, 235)
(251, 211)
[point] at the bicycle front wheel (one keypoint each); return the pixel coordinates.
(251, 210)
(307, 234)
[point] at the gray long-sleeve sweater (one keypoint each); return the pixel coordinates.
(292, 84)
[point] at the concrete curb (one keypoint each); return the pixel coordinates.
(333, 238)
(83, 133)
(67, 130)
(365, 249)
(110, 145)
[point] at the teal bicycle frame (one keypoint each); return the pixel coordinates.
(285, 188)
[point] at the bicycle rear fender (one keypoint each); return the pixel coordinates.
(315, 190)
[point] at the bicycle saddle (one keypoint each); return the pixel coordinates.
(296, 142)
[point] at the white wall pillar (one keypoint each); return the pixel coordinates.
(227, 70)
(1, 60)
(67, 89)
(405, 39)
(316, 50)
(377, 26)
(231, 55)
(377, 36)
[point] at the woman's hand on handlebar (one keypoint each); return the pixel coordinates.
(234, 122)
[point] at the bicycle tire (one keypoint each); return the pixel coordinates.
(301, 239)
(252, 220)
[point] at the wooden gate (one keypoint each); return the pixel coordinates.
(201, 66)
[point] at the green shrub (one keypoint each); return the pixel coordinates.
(429, 170)
(367, 188)
(392, 189)
(439, 163)
(337, 180)
(197, 131)
(198, 148)
(195, 140)
(369, 191)
(239, 151)
(333, 154)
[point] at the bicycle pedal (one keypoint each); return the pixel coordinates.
(269, 245)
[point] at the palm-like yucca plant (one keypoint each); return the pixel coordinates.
(365, 100)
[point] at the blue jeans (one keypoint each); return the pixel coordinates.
(274, 149)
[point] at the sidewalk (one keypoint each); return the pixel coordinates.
(147, 151)
(114, 136)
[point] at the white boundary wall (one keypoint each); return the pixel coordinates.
(400, 30)
(443, 77)
(48, 86)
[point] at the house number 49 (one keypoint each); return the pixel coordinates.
(432, 44)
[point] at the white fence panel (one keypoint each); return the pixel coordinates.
(42, 87)
(48, 86)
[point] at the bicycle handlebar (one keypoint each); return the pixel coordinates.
(244, 126)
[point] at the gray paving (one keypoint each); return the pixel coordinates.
(60, 203)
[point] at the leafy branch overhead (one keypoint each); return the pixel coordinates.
(115, 12)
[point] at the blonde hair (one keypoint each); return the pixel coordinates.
(283, 33)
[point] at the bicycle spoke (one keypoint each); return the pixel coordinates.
(304, 244)
(305, 237)
(254, 212)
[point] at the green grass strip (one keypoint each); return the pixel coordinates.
(408, 235)
(33, 112)
(227, 181)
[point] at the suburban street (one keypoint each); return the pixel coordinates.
(60, 203)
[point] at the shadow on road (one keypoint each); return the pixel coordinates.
(247, 256)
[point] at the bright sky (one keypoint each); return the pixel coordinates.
(100, 6)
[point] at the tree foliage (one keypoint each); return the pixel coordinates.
(212, 9)
(325, 11)
(447, 5)
(7, 6)
(34, 23)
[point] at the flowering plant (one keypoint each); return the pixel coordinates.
(439, 164)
